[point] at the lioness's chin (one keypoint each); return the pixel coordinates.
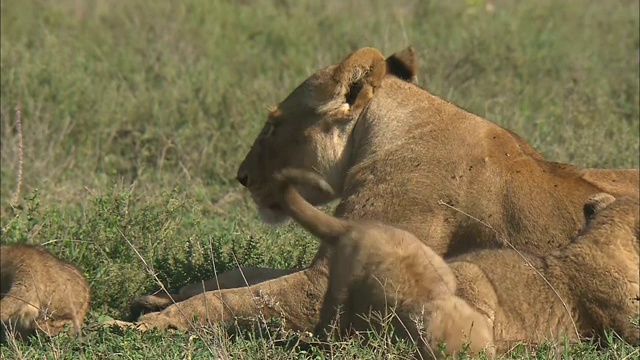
(272, 215)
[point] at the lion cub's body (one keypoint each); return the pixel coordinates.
(40, 292)
(375, 267)
(591, 284)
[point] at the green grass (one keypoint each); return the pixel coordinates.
(136, 115)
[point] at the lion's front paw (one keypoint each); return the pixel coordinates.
(126, 325)
(161, 321)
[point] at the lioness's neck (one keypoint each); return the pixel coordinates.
(374, 132)
(401, 112)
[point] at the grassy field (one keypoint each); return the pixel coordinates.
(136, 114)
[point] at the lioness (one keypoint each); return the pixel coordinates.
(395, 153)
(375, 267)
(40, 292)
(581, 290)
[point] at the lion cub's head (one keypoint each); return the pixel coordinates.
(609, 217)
(310, 129)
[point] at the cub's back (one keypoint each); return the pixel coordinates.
(396, 258)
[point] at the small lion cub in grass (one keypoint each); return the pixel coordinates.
(377, 267)
(39, 292)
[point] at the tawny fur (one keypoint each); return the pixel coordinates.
(577, 292)
(395, 153)
(377, 268)
(40, 292)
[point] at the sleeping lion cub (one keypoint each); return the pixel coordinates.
(39, 292)
(579, 291)
(375, 267)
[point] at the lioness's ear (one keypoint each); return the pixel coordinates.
(403, 64)
(595, 204)
(358, 76)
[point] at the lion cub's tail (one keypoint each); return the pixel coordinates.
(326, 227)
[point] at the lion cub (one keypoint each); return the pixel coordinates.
(39, 292)
(578, 291)
(376, 267)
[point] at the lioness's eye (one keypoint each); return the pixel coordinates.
(269, 130)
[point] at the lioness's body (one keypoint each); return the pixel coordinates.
(397, 154)
(470, 164)
(40, 292)
(374, 267)
(582, 290)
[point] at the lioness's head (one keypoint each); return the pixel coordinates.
(612, 216)
(310, 129)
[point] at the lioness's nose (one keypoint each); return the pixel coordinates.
(243, 179)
